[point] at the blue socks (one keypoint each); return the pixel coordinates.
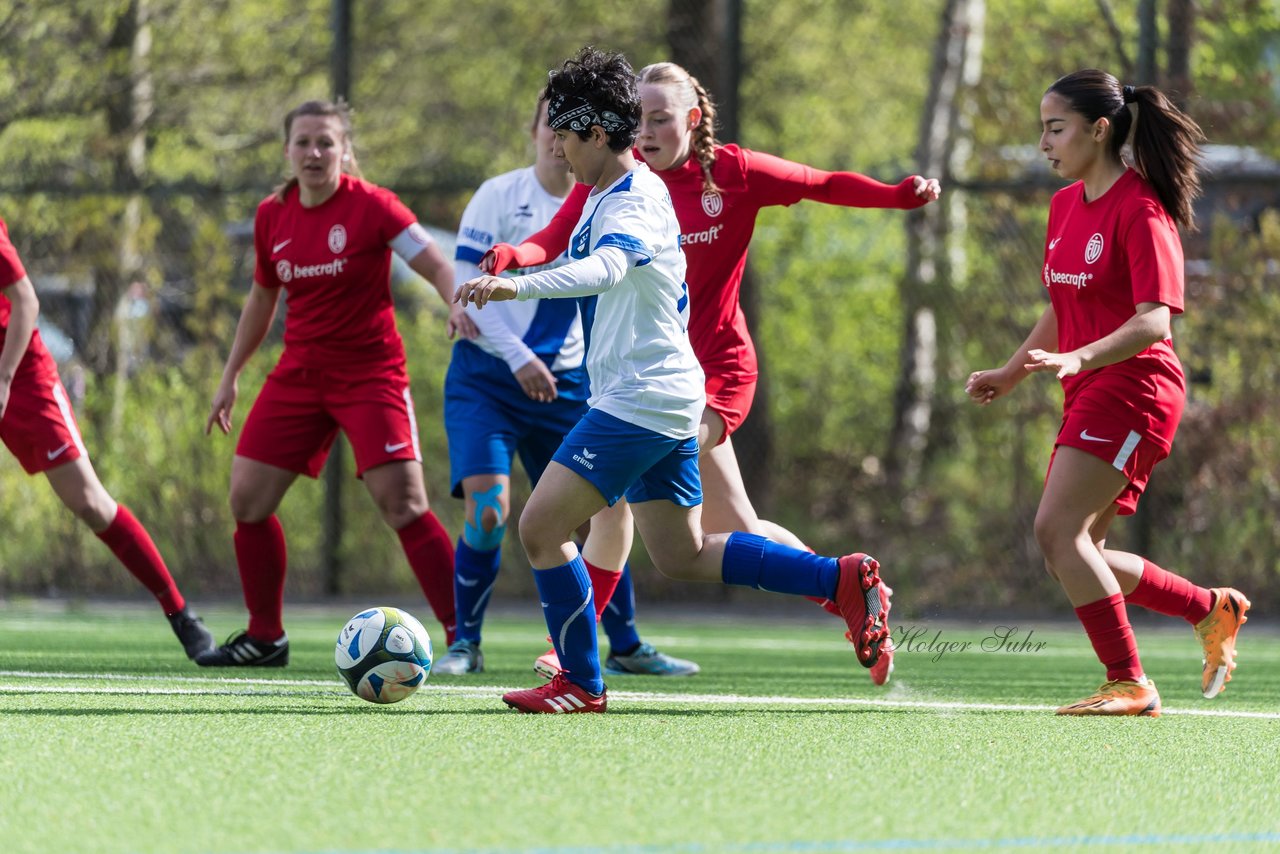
(474, 573)
(753, 561)
(570, 612)
(619, 617)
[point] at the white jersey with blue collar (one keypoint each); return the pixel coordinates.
(642, 367)
(507, 209)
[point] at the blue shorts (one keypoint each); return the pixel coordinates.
(488, 418)
(621, 459)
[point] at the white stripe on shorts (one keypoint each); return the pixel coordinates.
(68, 419)
(1126, 450)
(413, 425)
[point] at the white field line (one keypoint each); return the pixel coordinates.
(289, 686)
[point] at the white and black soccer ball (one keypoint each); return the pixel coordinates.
(383, 654)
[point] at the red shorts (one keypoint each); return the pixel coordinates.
(1103, 421)
(730, 397)
(299, 412)
(38, 424)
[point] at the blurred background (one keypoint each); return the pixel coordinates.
(137, 137)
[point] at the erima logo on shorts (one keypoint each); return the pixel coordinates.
(584, 459)
(287, 272)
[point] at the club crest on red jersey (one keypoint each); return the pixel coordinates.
(1093, 251)
(284, 271)
(337, 239)
(712, 203)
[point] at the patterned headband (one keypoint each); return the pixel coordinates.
(579, 114)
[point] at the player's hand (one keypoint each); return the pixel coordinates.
(985, 386)
(482, 289)
(927, 188)
(499, 259)
(220, 413)
(461, 324)
(1065, 364)
(537, 381)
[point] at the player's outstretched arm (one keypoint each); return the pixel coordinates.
(482, 289)
(255, 319)
(785, 182)
(542, 246)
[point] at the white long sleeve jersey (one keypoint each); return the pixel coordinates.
(626, 250)
(507, 209)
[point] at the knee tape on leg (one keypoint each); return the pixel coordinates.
(474, 534)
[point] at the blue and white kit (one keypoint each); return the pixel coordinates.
(626, 252)
(488, 417)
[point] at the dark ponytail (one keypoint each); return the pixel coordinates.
(1166, 141)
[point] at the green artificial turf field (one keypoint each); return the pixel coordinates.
(111, 741)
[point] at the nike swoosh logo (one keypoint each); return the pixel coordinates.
(279, 246)
(53, 455)
(470, 624)
(391, 449)
(1084, 434)
(1054, 242)
(468, 582)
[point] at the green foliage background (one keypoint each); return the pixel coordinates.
(444, 93)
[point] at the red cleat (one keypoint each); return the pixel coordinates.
(863, 606)
(883, 669)
(559, 696)
(547, 665)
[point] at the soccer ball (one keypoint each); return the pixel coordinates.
(383, 654)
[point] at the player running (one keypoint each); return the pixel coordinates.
(1113, 268)
(326, 236)
(718, 191)
(519, 388)
(639, 438)
(38, 426)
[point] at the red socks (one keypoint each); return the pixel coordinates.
(261, 557)
(1165, 593)
(429, 549)
(1107, 624)
(603, 583)
(133, 547)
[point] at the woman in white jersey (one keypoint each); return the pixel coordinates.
(638, 440)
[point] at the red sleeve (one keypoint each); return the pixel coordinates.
(11, 269)
(774, 181)
(541, 247)
(1154, 250)
(397, 216)
(263, 273)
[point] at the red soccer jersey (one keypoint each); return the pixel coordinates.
(1102, 258)
(11, 271)
(334, 261)
(716, 229)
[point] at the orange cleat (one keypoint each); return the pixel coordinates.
(559, 696)
(1217, 633)
(1119, 698)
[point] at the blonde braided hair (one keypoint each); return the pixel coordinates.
(691, 94)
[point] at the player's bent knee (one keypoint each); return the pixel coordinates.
(487, 527)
